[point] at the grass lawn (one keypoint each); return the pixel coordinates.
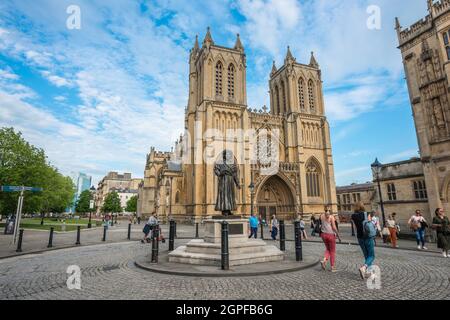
(71, 224)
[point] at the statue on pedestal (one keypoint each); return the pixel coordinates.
(227, 173)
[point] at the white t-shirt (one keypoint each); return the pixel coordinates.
(152, 221)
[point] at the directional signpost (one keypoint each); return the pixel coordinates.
(19, 203)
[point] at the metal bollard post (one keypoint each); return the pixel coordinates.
(78, 235)
(6, 227)
(282, 236)
(225, 253)
(196, 231)
(129, 231)
(155, 244)
(298, 242)
(262, 231)
(171, 235)
(353, 229)
(175, 230)
(104, 233)
(19, 244)
(50, 238)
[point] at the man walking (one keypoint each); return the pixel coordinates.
(253, 226)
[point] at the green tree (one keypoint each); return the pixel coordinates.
(84, 201)
(132, 204)
(112, 203)
(22, 164)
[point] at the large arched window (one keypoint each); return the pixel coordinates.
(312, 102)
(231, 81)
(301, 93)
(283, 96)
(277, 97)
(313, 178)
(219, 71)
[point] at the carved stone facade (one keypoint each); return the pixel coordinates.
(425, 51)
(294, 131)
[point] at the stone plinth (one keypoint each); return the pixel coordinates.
(242, 250)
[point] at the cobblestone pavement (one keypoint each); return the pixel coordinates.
(35, 240)
(108, 272)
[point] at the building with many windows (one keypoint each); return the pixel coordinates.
(424, 183)
(82, 182)
(348, 196)
(294, 131)
(114, 181)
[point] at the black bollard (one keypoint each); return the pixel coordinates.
(171, 235)
(50, 238)
(225, 253)
(19, 244)
(129, 231)
(175, 230)
(282, 236)
(104, 233)
(196, 231)
(262, 231)
(155, 244)
(298, 242)
(78, 235)
(6, 227)
(353, 229)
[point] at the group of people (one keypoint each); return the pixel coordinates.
(274, 226)
(368, 227)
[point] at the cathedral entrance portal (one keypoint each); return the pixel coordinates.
(275, 197)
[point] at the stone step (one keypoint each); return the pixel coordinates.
(234, 248)
(271, 253)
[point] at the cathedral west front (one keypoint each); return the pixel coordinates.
(283, 153)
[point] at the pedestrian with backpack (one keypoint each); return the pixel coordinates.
(365, 233)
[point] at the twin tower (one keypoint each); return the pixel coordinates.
(295, 130)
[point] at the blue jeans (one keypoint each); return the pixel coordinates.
(274, 233)
(254, 232)
(368, 249)
(420, 237)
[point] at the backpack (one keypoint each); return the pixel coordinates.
(369, 229)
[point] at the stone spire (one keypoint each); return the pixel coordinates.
(238, 45)
(208, 39)
(274, 69)
(313, 62)
(289, 57)
(196, 46)
(430, 5)
(398, 27)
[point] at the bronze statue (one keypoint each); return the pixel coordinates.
(228, 176)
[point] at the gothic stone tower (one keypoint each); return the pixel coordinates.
(425, 48)
(217, 118)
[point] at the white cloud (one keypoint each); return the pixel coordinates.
(60, 98)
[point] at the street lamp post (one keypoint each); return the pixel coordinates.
(376, 170)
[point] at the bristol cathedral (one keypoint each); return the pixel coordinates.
(181, 184)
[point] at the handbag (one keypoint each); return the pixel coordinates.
(385, 232)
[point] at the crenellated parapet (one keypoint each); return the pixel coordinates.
(415, 30)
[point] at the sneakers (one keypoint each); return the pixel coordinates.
(419, 247)
(333, 269)
(424, 248)
(444, 253)
(362, 272)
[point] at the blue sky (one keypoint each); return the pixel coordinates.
(96, 99)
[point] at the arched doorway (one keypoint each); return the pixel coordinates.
(275, 197)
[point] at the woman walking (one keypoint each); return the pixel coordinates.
(442, 226)
(418, 224)
(391, 224)
(329, 233)
(274, 227)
